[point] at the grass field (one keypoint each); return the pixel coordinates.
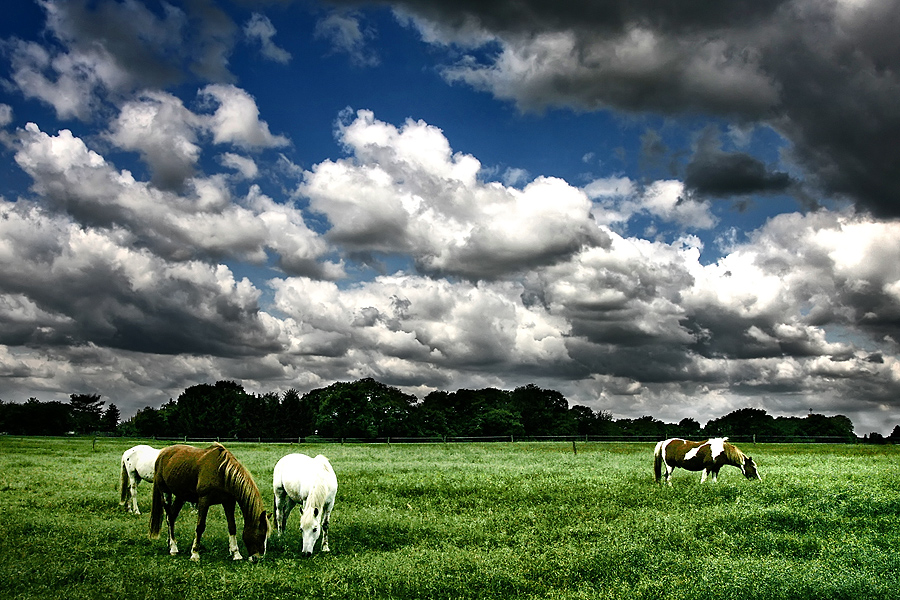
(504, 520)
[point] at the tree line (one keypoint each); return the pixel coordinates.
(366, 409)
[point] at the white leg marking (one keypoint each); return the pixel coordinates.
(703, 476)
(233, 548)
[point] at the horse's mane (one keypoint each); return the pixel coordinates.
(318, 493)
(733, 454)
(239, 482)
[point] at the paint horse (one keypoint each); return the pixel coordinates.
(138, 463)
(207, 477)
(708, 456)
(299, 479)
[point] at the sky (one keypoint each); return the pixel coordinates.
(674, 209)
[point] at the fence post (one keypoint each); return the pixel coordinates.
(574, 449)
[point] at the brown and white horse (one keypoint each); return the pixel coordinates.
(708, 456)
(206, 477)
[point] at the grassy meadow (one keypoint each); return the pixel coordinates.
(505, 520)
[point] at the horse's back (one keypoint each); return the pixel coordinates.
(141, 459)
(178, 468)
(297, 473)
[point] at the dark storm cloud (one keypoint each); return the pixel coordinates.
(148, 47)
(732, 173)
(821, 73)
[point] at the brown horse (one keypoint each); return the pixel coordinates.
(207, 477)
(708, 456)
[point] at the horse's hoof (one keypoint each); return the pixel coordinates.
(195, 557)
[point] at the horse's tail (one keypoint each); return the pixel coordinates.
(156, 510)
(657, 460)
(125, 484)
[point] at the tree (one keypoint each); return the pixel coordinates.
(543, 412)
(745, 421)
(110, 419)
(895, 435)
(147, 422)
(86, 411)
(365, 408)
(296, 415)
(35, 418)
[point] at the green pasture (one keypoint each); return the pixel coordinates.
(505, 520)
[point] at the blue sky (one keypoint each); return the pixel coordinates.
(674, 213)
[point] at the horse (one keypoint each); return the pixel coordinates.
(312, 482)
(138, 463)
(206, 477)
(708, 456)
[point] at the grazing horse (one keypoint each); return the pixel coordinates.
(206, 477)
(708, 456)
(312, 482)
(137, 465)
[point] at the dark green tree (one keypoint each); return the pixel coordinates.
(147, 422)
(543, 412)
(87, 412)
(297, 415)
(110, 419)
(745, 421)
(365, 408)
(36, 418)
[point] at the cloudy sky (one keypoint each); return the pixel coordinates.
(675, 209)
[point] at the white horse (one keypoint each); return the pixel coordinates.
(312, 482)
(138, 464)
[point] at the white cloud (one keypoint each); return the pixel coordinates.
(242, 164)
(236, 119)
(164, 132)
(204, 221)
(348, 35)
(406, 191)
(260, 28)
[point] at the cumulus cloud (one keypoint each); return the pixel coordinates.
(107, 49)
(204, 221)
(164, 132)
(405, 191)
(116, 296)
(236, 119)
(814, 71)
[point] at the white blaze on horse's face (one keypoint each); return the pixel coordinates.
(311, 528)
(749, 469)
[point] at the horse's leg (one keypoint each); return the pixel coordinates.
(173, 507)
(202, 509)
(704, 475)
(326, 518)
(228, 506)
(133, 483)
(283, 506)
(669, 470)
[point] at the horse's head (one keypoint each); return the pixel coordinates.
(310, 527)
(749, 469)
(255, 536)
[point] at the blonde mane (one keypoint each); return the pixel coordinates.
(238, 481)
(734, 455)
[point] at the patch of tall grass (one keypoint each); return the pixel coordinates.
(522, 520)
